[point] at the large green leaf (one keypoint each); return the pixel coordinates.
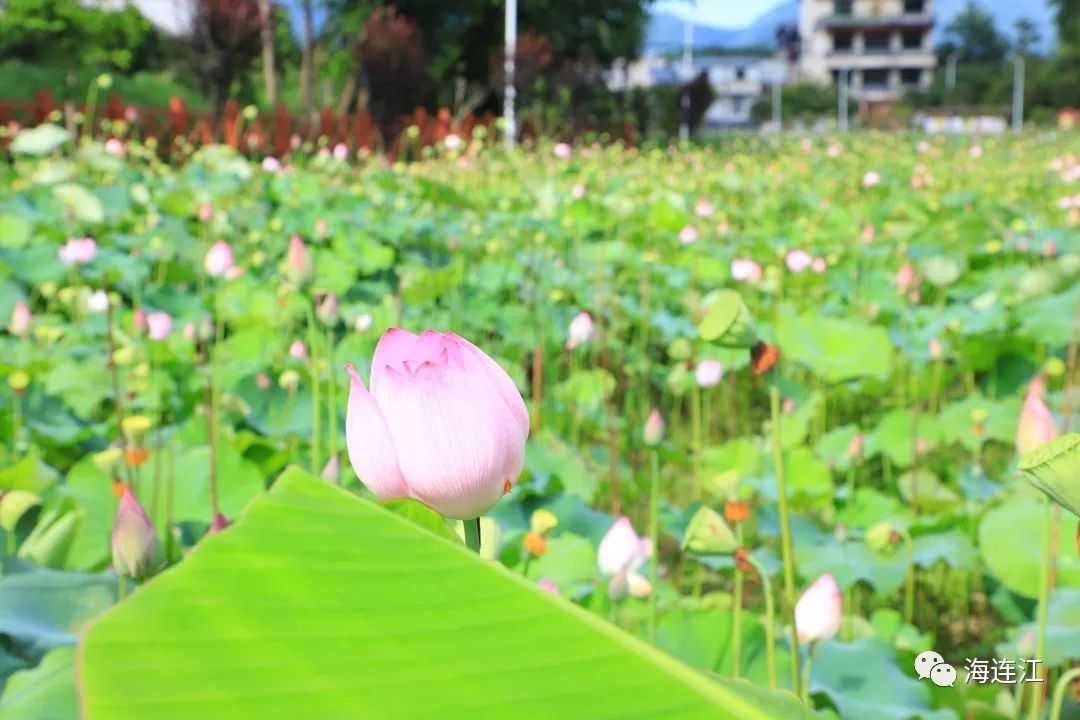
(46, 692)
(1011, 542)
(43, 609)
(316, 603)
(834, 348)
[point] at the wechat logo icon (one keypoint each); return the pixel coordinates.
(930, 664)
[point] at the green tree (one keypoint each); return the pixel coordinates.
(974, 37)
(1067, 18)
(1027, 36)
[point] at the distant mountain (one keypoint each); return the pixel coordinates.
(665, 31)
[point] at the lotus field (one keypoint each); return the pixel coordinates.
(760, 430)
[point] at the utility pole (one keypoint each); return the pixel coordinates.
(842, 78)
(510, 92)
(688, 68)
(1018, 92)
(776, 100)
(950, 72)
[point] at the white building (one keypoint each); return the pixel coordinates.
(885, 44)
(737, 81)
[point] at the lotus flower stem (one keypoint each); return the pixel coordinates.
(736, 616)
(695, 431)
(316, 405)
(121, 586)
(1035, 710)
(785, 531)
(804, 691)
(537, 379)
(654, 535)
(212, 392)
(170, 487)
(909, 589)
(472, 535)
(118, 407)
(16, 423)
(331, 400)
(770, 623)
(1059, 691)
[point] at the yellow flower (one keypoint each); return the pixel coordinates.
(542, 521)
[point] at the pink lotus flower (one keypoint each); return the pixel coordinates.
(563, 151)
(219, 259)
(1036, 425)
(327, 309)
(975, 151)
(581, 330)
(331, 469)
(798, 260)
(722, 228)
(298, 350)
(819, 611)
(834, 150)
(452, 142)
(299, 260)
(653, 432)
(262, 380)
(20, 319)
(189, 332)
(160, 324)
(578, 191)
(870, 179)
(688, 235)
(206, 212)
(819, 265)
(321, 228)
(788, 406)
(138, 321)
(922, 446)
(855, 446)
(1049, 248)
(922, 147)
(271, 164)
(620, 555)
(548, 586)
(905, 277)
(341, 152)
(115, 147)
(77, 251)
(703, 208)
(869, 233)
(745, 270)
(443, 424)
(708, 372)
(134, 544)
(935, 348)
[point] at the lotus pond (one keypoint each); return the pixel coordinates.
(756, 372)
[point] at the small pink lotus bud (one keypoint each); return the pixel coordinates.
(798, 260)
(331, 469)
(138, 321)
(114, 147)
(1036, 425)
(819, 611)
(703, 208)
(869, 234)
(688, 235)
(298, 350)
(452, 141)
(160, 324)
(135, 550)
(299, 260)
(206, 212)
(922, 446)
(219, 259)
(905, 277)
(77, 251)
(578, 191)
(20, 320)
(1049, 248)
(975, 151)
(834, 150)
(271, 164)
(581, 330)
(220, 523)
(327, 310)
(653, 432)
(321, 228)
(97, 302)
(855, 446)
(263, 381)
(819, 265)
(189, 332)
(788, 406)
(922, 147)
(620, 555)
(563, 151)
(341, 152)
(935, 348)
(871, 179)
(746, 270)
(708, 372)
(363, 323)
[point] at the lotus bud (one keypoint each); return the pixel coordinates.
(262, 380)
(160, 325)
(298, 261)
(20, 320)
(688, 235)
(220, 523)
(708, 373)
(327, 310)
(548, 586)
(620, 555)
(581, 330)
(653, 433)
(135, 547)
(363, 323)
(1036, 425)
(298, 350)
(819, 611)
(855, 447)
(709, 534)
(881, 536)
(332, 469)
(1054, 468)
(219, 260)
(798, 260)
(97, 302)
(746, 270)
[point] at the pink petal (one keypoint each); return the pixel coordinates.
(371, 449)
(458, 443)
(392, 350)
(500, 381)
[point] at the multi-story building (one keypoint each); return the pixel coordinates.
(885, 45)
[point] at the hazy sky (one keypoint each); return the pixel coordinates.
(721, 13)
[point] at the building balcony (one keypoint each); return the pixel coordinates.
(913, 21)
(840, 59)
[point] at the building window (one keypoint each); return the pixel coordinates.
(740, 72)
(843, 7)
(737, 104)
(876, 42)
(877, 78)
(910, 76)
(836, 77)
(914, 7)
(843, 41)
(913, 40)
